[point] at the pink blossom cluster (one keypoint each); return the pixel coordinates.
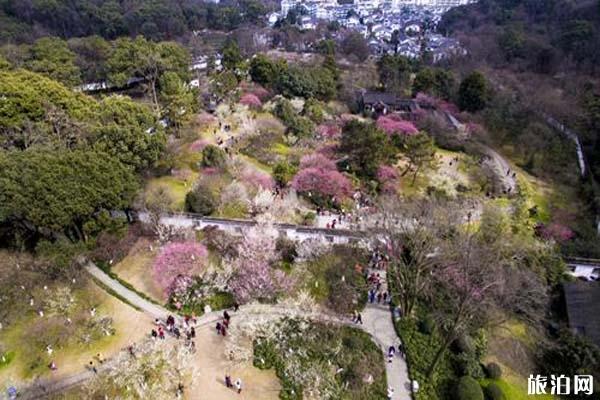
(258, 281)
(199, 145)
(555, 231)
(251, 101)
(394, 125)
(317, 160)
(178, 259)
(260, 92)
(257, 179)
(254, 278)
(388, 178)
(426, 100)
(329, 150)
(318, 175)
(210, 171)
(329, 130)
(180, 287)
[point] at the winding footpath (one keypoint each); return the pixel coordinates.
(377, 321)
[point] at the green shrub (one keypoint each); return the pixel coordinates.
(463, 344)
(468, 364)
(467, 388)
(494, 392)
(221, 301)
(201, 201)
(426, 325)
(493, 371)
(287, 248)
(309, 218)
(213, 157)
(283, 172)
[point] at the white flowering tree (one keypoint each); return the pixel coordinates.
(153, 372)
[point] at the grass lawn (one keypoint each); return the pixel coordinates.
(30, 360)
(175, 187)
(136, 269)
(512, 346)
(514, 391)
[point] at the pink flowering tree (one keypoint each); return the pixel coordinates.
(329, 130)
(254, 277)
(260, 92)
(257, 179)
(387, 176)
(393, 125)
(321, 185)
(251, 101)
(317, 160)
(555, 231)
(425, 100)
(178, 259)
(329, 150)
(319, 179)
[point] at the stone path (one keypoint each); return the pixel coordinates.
(377, 321)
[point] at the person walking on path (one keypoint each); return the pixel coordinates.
(228, 381)
(238, 385)
(391, 352)
(93, 367)
(390, 393)
(359, 319)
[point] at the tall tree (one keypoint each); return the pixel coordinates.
(232, 57)
(473, 93)
(130, 132)
(48, 193)
(411, 233)
(476, 286)
(52, 57)
(420, 151)
(366, 147)
(178, 99)
(140, 58)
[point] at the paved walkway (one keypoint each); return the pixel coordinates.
(376, 321)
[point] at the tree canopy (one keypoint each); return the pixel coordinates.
(366, 147)
(46, 193)
(129, 132)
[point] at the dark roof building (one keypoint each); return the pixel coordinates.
(583, 308)
(385, 102)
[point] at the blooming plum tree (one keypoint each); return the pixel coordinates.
(257, 179)
(388, 178)
(318, 177)
(394, 125)
(253, 277)
(318, 161)
(251, 100)
(178, 259)
(322, 183)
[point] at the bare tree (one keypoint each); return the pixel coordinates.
(411, 235)
(476, 285)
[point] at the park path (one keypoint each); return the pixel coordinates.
(377, 321)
